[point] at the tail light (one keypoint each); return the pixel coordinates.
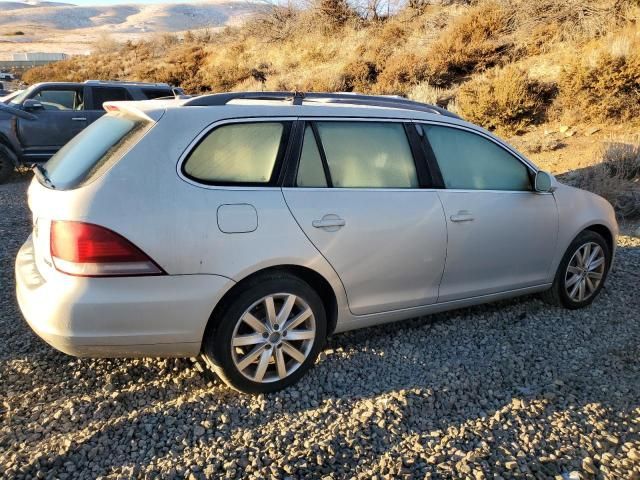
(88, 250)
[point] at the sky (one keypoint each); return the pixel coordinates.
(118, 2)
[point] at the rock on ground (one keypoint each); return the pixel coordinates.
(515, 389)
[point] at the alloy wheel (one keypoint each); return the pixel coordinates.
(273, 337)
(585, 272)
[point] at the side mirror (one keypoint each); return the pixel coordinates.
(30, 105)
(544, 182)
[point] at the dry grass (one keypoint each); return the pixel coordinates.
(602, 82)
(475, 41)
(506, 100)
(570, 20)
(491, 60)
(616, 176)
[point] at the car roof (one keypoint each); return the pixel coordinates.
(293, 104)
(209, 109)
(106, 83)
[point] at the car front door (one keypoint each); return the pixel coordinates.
(501, 233)
(59, 116)
(358, 195)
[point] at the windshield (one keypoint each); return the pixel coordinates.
(94, 150)
(19, 98)
(11, 96)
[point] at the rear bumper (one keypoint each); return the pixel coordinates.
(117, 317)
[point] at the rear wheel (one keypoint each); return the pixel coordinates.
(6, 166)
(581, 273)
(268, 335)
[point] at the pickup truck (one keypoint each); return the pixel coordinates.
(37, 122)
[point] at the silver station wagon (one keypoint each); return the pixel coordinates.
(247, 227)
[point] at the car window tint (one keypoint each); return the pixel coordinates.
(108, 94)
(310, 170)
(471, 162)
(368, 154)
(94, 150)
(59, 99)
(237, 153)
(152, 93)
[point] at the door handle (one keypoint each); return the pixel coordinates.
(329, 222)
(462, 216)
(79, 119)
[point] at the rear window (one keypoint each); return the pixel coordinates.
(94, 150)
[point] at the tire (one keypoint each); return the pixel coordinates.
(6, 166)
(567, 282)
(276, 365)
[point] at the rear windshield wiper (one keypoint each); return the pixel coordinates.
(42, 175)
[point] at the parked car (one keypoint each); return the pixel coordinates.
(9, 96)
(36, 123)
(249, 226)
(3, 92)
(7, 76)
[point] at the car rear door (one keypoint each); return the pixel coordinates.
(61, 118)
(358, 193)
(98, 95)
(501, 233)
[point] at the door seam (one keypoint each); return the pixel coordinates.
(284, 199)
(446, 248)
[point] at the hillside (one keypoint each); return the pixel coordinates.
(67, 28)
(561, 80)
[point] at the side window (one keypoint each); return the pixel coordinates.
(238, 153)
(310, 169)
(152, 93)
(368, 155)
(471, 162)
(108, 94)
(54, 99)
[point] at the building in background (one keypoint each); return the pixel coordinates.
(18, 63)
(38, 57)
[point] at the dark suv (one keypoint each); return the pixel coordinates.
(39, 121)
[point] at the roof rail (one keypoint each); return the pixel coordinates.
(296, 98)
(126, 82)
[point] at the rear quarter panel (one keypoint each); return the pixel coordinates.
(175, 222)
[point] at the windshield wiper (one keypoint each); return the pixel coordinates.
(42, 175)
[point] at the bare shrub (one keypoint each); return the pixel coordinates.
(333, 13)
(424, 50)
(569, 19)
(276, 24)
(401, 71)
(616, 177)
(383, 41)
(426, 93)
(474, 42)
(360, 76)
(506, 100)
(603, 82)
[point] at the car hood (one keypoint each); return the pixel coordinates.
(16, 112)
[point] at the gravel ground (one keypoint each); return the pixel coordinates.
(515, 389)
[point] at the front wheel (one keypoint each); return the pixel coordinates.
(6, 166)
(581, 273)
(268, 335)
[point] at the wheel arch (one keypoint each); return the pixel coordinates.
(315, 280)
(5, 147)
(604, 232)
